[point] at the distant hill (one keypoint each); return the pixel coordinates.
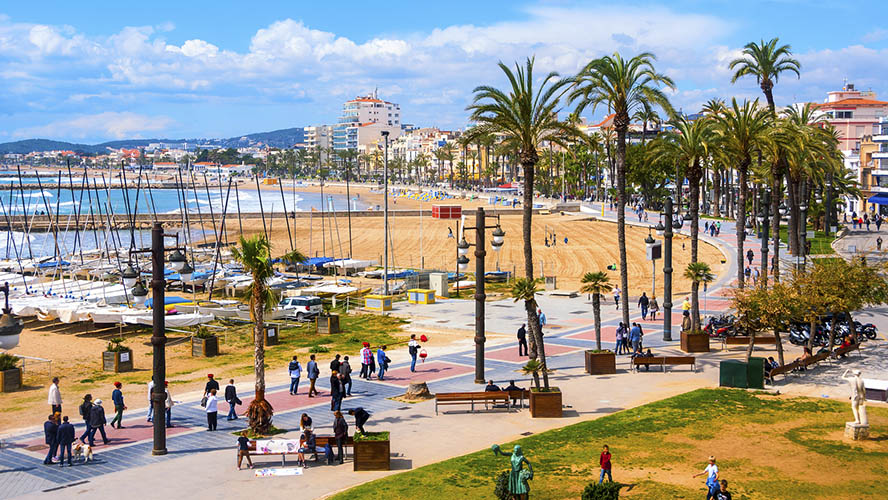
(276, 138)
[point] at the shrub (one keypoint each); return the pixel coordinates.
(372, 436)
(116, 345)
(316, 349)
(501, 491)
(8, 362)
(603, 491)
(204, 333)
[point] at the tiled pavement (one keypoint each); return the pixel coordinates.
(21, 469)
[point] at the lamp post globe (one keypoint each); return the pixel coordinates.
(140, 294)
(186, 273)
(129, 276)
(498, 235)
(177, 260)
(462, 248)
(462, 263)
(660, 228)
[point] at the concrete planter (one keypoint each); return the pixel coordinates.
(11, 380)
(204, 348)
(328, 324)
(117, 361)
(372, 455)
(545, 404)
(694, 342)
(600, 363)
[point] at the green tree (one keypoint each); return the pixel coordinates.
(524, 117)
(697, 272)
(596, 283)
(624, 86)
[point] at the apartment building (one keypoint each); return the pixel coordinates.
(363, 120)
(319, 139)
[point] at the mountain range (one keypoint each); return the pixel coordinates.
(283, 138)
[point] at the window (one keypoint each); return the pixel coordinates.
(843, 115)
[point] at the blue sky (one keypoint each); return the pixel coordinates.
(96, 71)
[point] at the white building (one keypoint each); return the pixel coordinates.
(363, 120)
(319, 139)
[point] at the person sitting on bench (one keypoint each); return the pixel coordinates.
(641, 354)
(513, 387)
(306, 445)
(806, 354)
(491, 387)
(769, 365)
(850, 340)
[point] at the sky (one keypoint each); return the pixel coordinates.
(98, 71)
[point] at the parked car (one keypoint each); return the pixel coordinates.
(301, 308)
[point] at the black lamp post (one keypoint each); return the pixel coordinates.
(667, 271)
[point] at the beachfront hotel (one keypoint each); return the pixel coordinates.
(363, 120)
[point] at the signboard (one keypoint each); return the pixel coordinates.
(655, 251)
(124, 357)
(809, 235)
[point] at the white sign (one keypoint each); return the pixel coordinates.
(277, 445)
(124, 356)
(272, 332)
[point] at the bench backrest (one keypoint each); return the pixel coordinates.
(784, 368)
(644, 360)
(519, 394)
(680, 360)
(321, 441)
(459, 396)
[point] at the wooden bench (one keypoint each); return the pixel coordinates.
(744, 340)
(817, 358)
(321, 442)
(664, 361)
(845, 350)
(520, 396)
(470, 398)
(782, 370)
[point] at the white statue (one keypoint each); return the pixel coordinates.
(858, 396)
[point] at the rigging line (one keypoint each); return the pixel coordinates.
(185, 218)
(78, 207)
(286, 220)
(91, 215)
(212, 215)
(151, 196)
(25, 209)
(218, 253)
(261, 209)
(240, 224)
(126, 201)
(199, 212)
(14, 248)
(111, 217)
(225, 208)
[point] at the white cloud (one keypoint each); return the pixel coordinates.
(877, 35)
(108, 124)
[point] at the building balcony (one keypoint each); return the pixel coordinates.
(880, 155)
(879, 171)
(877, 189)
(880, 138)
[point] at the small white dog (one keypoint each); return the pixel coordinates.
(83, 452)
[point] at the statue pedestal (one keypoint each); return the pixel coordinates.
(856, 432)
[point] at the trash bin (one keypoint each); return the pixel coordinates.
(755, 373)
(732, 373)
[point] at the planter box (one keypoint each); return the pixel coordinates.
(372, 455)
(545, 404)
(117, 361)
(204, 348)
(601, 363)
(272, 334)
(11, 380)
(697, 342)
(328, 324)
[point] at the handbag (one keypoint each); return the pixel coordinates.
(203, 402)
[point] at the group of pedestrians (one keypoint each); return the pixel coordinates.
(210, 401)
(629, 339)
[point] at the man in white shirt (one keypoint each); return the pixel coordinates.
(55, 397)
(413, 347)
(150, 403)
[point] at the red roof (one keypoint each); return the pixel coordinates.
(607, 122)
(851, 102)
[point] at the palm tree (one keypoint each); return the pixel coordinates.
(765, 61)
(255, 255)
(447, 152)
(596, 283)
(742, 130)
(624, 86)
(697, 272)
(689, 144)
(646, 115)
(526, 289)
(524, 117)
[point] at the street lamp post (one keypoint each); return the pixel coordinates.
(480, 297)
(385, 215)
(667, 272)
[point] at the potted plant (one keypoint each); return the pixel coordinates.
(372, 451)
(326, 322)
(545, 402)
(10, 373)
(204, 344)
(694, 341)
(117, 357)
(600, 362)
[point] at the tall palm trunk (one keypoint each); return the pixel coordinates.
(260, 412)
(776, 189)
(537, 350)
(621, 214)
(694, 207)
(716, 184)
(741, 220)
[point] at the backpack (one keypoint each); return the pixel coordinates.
(328, 452)
(413, 350)
(84, 409)
(293, 366)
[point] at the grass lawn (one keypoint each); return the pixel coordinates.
(767, 447)
(820, 245)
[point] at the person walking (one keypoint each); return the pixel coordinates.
(334, 365)
(168, 404)
(211, 384)
(879, 243)
(643, 303)
(313, 374)
(686, 304)
(232, 400)
(619, 338)
(686, 321)
(65, 438)
(711, 473)
(541, 316)
(346, 370)
(617, 296)
(295, 370)
(750, 255)
(212, 410)
(335, 392)
(97, 422)
(522, 340)
(150, 403)
(655, 308)
(51, 437)
(635, 338)
(55, 397)
(243, 450)
(413, 348)
(85, 409)
(382, 360)
(366, 359)
(117, 399)
(755, 276)
(340, 432)
(604, 461)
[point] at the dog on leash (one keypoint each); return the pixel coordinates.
(82, 452)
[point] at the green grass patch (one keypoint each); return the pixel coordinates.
(766, 447)
(273, 431)
(820, 245)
